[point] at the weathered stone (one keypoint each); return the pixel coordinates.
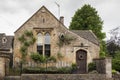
(104, 66)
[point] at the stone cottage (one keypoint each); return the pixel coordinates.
(6, 52)
(48, 30)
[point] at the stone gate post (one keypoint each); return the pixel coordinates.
(104, 66)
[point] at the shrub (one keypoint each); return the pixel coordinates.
(64, 70)
(91, 66)
(52, 58)
(116, 64)
(50, 70)
(35, 57)
(74, 66)
(14, 72)
(114, 71)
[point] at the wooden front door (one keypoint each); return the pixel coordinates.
(81, 60)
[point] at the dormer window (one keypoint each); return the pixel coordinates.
(4, 40)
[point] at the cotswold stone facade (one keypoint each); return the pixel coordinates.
(48, 29)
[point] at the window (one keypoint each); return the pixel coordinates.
(4, 40)
(47, 44)
(40, 43)
(43, 44)
(39, 39)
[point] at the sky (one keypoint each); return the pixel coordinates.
(13, 13)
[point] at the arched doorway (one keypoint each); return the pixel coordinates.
(81, 61)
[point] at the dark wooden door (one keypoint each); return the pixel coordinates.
(81, 60)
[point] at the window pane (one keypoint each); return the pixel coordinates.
(47, 53)
(47, 44)
(39, 39)
(40, 49)
(47, 38)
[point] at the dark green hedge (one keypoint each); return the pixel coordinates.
(63, 70)
(116, 64)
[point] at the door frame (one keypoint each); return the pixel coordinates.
(79, 59)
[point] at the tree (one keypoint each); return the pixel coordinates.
(87, 18)
(112, 48)
(116, 61)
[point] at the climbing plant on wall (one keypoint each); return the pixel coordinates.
(26, 39)
(64, 40)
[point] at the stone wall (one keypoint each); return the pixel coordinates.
(2, 67)
(13, 78)
(116, 76)
(64, 77)
(43, 21)
(104, 66)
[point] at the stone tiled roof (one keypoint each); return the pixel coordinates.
(87, 34)
(9, 42)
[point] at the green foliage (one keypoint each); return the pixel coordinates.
(26, 43)
(42, 59)
(91, 66)
(28, 33)
(64, 70)
(116, 64)
(114, 51)
(74, 66)
(59, 56)
(22, 38)
(23, 49)
(114, 71)
(52, 58)
(38, 58)
(14, 72)
(65, 40)
(116, 61)
(103, 49)
(33, 70)
(50, 70)
(26, 40)
(112, 48)
(117, 55)
(87, 18)
(35, 57)
(32, 41)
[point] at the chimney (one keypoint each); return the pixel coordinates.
(62, 19)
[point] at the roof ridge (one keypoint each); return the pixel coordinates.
(79, 30)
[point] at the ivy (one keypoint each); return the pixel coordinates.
(22, 38)
(28, 33)
(59, 56)
(64, 40)
(26, 40)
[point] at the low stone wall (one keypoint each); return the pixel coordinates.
(64, 77)
(116, 76)
(61, 77)
(13, 78)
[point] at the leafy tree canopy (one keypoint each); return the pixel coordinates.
(87, 18)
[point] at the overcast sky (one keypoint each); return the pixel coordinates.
(13, 13)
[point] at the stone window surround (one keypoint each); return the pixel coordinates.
(43, 32)
(4, 40)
